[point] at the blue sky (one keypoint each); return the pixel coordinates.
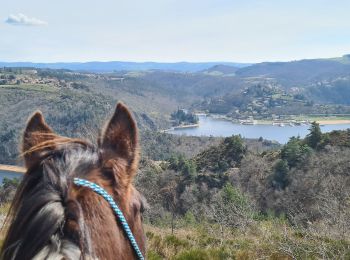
(173, 30)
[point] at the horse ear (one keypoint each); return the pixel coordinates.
(35, 133)
(119, 140)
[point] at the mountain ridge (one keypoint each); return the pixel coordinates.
(110, 66)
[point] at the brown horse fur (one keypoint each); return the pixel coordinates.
(51, 218)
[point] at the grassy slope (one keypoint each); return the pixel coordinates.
(267, 239)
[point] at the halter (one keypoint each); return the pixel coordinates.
(99, 190)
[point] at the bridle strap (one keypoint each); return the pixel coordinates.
(120, 216)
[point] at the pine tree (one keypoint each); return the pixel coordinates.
(315, 135)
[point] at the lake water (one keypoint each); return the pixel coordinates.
(10, 175)
(209, 126)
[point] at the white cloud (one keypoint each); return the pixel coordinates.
(22, 19)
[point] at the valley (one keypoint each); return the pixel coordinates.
(229, 190)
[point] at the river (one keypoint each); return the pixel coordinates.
(209, 126)
(9, 175)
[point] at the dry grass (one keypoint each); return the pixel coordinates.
(266, 239)
(270, 239)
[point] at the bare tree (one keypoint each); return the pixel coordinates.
(169, 193)
(230, 210)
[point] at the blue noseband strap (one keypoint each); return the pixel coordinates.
(99, 190)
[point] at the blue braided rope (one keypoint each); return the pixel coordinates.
(99, 190)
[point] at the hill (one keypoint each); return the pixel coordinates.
(296, 73)
(221, 69)
(331, 91)
(262, 101)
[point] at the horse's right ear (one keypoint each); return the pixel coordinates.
(119, 140)
(36, 132)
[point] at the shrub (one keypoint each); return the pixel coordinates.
(280, 177)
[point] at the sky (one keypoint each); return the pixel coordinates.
(173, 30)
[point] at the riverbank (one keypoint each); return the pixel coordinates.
(304, 120)
(186, 126)
(180, 127)
(12, 168)
(333, 122)
(321, 122)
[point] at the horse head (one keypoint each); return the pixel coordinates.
(52, 218)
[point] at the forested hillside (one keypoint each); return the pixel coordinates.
(316, 82)
(76, 104)
(292, 202)
(264, 100)
(80, 101)
(302, 72)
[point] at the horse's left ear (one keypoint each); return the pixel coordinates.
(37, 132)
(119, 140)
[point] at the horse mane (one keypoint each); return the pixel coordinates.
(39, 211)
